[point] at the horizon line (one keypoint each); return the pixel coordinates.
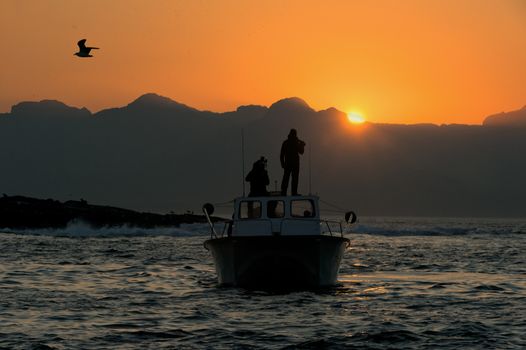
(367, 121)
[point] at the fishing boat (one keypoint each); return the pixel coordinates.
(277, 242)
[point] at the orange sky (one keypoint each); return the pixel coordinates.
(410, 61)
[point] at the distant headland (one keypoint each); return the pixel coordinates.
(19, 212)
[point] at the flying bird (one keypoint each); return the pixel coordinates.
(84, 50)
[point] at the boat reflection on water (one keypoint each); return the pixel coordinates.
(277, 242)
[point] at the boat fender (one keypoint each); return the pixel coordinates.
(350, 215)
(208, 208)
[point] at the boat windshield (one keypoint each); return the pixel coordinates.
(275, 209)
(303, 208)
(250, 210)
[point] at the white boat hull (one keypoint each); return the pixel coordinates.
(278, 261)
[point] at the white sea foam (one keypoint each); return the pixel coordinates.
(437, 226)
(368, 225)
(82, 229)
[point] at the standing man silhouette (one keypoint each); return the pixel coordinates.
(291, 149)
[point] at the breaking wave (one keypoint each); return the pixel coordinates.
(82, 229)
(444, 228)
(369, 226)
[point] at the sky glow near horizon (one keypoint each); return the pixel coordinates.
(413, 61)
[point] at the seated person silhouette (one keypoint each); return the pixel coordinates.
(258, 178)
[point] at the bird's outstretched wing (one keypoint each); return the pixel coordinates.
(82, 44)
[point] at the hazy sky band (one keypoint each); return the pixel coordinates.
(441, 61)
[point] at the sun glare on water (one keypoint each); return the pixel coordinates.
(355, 118)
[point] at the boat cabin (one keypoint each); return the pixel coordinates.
(276, 215)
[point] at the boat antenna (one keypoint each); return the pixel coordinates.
(243, 159)
(310, 169)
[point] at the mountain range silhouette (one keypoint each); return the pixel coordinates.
(156, 154)
(507, 119)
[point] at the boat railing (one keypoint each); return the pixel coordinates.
(331, 227)
(327, 227)
(208, 209)
(227, 228)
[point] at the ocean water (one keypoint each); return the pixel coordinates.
(405, 283)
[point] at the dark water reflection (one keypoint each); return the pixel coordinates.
(399, 292)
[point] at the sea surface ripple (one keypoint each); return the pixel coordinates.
(403, 284)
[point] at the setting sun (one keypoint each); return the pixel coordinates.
(356, 118)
